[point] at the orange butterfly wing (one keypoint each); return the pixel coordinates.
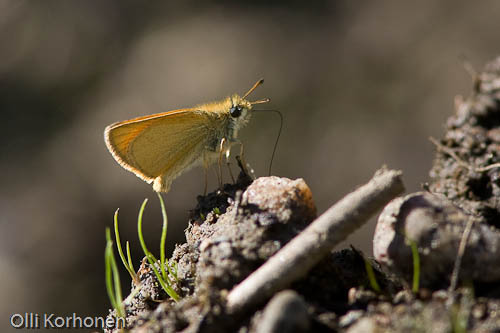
(163, 145)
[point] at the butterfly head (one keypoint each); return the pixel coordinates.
(239, 110)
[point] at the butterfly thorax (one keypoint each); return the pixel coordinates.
(228, 117)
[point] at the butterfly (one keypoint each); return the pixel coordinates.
(160, 147)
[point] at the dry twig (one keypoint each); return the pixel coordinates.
(458, 261)
(296, 258)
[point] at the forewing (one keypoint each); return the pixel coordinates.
(160, 144)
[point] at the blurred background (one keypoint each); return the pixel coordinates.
(360, 84)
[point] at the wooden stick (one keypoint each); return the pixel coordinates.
(303, 252)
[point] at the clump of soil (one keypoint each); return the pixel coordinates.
(234, 231)
(473, 135)
(224, 245)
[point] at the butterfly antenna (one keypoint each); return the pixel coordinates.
(261, 101)
(258, 83)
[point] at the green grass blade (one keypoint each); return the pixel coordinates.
(139, 231)
(139, 227)
(169, 290)
(173, 270)
(113, 285)
(165, 283)
(129, 257)
(371, 276)
(118, 289)
(416, 266)
(163, 236)
(120, 250)
(107, 267)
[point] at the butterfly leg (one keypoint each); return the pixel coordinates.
(221, 152)
(228, 164)
(242, 163)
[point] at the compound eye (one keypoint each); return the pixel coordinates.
(235, 111)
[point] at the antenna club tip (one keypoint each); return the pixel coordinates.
(261, 80)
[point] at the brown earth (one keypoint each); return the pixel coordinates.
(232, 232)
